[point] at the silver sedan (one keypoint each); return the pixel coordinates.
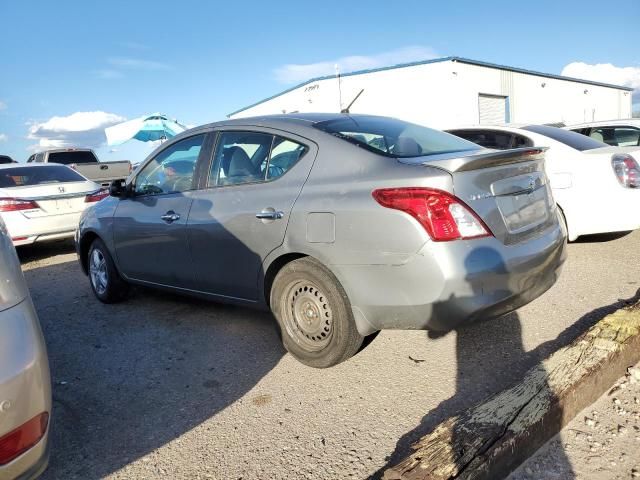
(342, 225)
(25, 386)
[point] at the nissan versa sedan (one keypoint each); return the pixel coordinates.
(43, 202)
(341, 224)
(25, 386)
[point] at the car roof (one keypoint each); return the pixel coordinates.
(605, 123)
(293, 122)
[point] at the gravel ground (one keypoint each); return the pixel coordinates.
(600, 443)
(166, 386)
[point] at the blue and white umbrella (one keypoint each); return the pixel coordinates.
(149, 128)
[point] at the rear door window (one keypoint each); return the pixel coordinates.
(252, 157)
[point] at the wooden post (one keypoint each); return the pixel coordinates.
(490, 440)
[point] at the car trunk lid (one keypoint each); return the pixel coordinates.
(507, 189)
(54, 199)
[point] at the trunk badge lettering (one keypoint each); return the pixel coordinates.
(61, 189)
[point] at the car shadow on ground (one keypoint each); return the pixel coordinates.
(42, 251)
(128, 380)
(483, 369)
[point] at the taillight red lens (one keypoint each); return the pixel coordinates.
(97, 196)
(15, 204)
(18, 441)
(442, 215)
(626, 169)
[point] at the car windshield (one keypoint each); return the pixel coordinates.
(76, 156)
(394, 138)
(43, 174)
(569, 138)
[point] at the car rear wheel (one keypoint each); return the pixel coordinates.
(106, 282)
(314, 314)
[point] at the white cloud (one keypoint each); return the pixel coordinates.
(4, 137)
(80, 129)
(3, 106)
(606, 73)
(293, 73)
(137, 63)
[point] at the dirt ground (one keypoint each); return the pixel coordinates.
(601, 443)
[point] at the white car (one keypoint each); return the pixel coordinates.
(44, 202)
(596, 186)
(618, 133)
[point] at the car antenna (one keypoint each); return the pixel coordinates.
(346, 110)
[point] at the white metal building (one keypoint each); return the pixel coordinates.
(452, 91)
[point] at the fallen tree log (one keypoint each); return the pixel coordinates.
(490, 440)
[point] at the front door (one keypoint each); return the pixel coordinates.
(150, 226)
(242, 216)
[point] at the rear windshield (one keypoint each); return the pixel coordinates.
(40, 175)
(394, 138)
(5, 159)
(78, 156)
(569, 138)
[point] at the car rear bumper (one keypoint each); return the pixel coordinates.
(448, 284)
(25, 231)
(25, 385)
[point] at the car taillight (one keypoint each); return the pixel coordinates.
(15, 204)
(442, 215)
(626, 169)
(96, 196)
(18, 441)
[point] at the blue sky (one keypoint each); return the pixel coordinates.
(198, 61)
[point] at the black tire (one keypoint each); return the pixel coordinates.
(314, 314)
(106, 283)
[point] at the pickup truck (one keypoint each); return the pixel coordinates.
(85, 162)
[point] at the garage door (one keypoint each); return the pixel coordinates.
(493, 109)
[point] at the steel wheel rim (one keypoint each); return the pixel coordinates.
(307, 315)
(98, 272)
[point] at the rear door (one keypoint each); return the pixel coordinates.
(242, 215)
(149, 228)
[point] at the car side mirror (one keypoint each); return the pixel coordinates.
(118, 189)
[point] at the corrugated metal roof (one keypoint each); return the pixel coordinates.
(435, 60)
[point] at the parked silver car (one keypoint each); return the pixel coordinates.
(25, 386)
(341, 224)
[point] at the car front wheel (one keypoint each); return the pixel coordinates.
(314, 314)
(106, 283)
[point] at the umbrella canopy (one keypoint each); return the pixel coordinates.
(146, 129)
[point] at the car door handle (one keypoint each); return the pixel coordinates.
(269, 215)
(170, 216)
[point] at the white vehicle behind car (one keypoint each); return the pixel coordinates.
(44, 202)
(617, 133)
(596, 186)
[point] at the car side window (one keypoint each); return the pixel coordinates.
(627, 136)
(251, 157)
(31, 158)
(617, 136)
(172, 170)
(284, 155)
